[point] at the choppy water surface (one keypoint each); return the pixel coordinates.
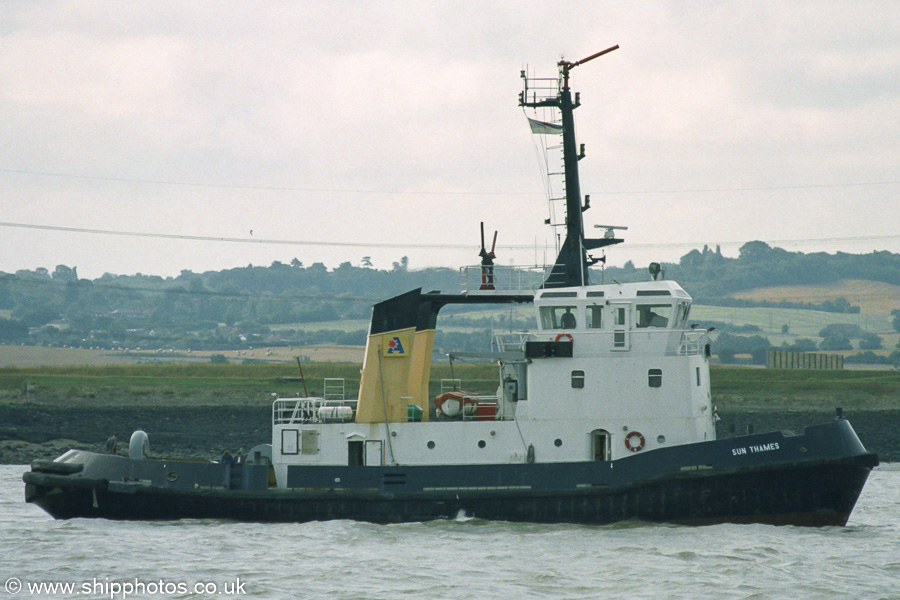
(454, 559)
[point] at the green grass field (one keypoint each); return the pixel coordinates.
(253, 384)
(801, 323)
(807, 389)
(199, 384)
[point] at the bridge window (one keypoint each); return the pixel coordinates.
(653, 315)
(594, 314)
(558, 317)
(684, 310)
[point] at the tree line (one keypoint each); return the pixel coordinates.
(255, 305)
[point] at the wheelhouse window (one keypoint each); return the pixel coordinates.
(653, 315)
(684, 309)
(558, 317)
(620, 318)
(594, 320)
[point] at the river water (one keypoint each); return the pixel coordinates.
(462, 558)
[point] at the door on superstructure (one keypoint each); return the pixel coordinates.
(374, 453)
(355, 453)
(600, 444)
(621, 322)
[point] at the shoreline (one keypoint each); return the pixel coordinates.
(31, 431)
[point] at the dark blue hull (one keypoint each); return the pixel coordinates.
(810, 479)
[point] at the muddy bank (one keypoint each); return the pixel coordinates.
(28, 431)
(200, 432)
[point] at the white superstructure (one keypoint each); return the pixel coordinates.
(611, 370)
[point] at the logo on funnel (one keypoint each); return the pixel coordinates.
(395, 347)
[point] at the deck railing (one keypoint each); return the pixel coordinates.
(503, 279)
(295, 411)
(690, 342)
(510, 342)
(335, 388)
(693, 341)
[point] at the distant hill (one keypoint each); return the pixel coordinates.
(293, 304)
(873, 297)
(712, 278)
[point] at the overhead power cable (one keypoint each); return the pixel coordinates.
(433, 246)
(251, 240)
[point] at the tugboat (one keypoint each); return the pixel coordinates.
(602, 414)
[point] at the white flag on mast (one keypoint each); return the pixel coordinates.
(543, 128)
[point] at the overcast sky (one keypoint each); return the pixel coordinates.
(394, 128)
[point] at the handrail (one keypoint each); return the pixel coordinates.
(480, 399)
(527, 278)
(294, 411)
(506, 342)
(334, 388)
(692, 341)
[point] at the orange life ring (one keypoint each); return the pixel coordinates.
(634, 441)
(562, 335)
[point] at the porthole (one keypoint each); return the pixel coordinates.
(481, 444)
(430, 445)
(661, 439)
(654, 378)
(557, 442)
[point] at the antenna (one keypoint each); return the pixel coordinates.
(302, 378)
(565, 67)
(572, 261)
(487, 262)
(610, 230)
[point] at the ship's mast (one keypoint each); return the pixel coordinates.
(571, 266)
